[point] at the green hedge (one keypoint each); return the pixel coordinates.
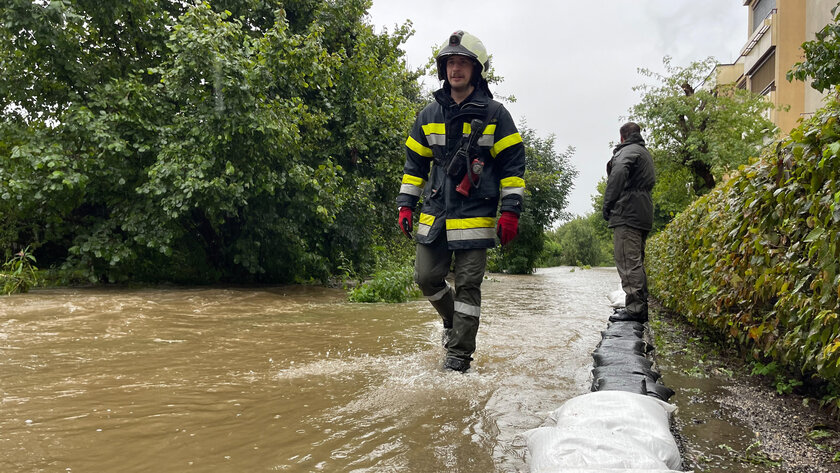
(757, 258)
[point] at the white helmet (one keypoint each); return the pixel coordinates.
(462, 43)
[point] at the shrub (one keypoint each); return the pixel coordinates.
(19, 273)
(758, 258)
(388, 285)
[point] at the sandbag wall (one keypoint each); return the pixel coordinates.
(623, 425)
(624, 362)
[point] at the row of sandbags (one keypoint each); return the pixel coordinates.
(623, 425)
(623, 362)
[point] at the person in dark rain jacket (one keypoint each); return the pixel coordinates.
(628, 207)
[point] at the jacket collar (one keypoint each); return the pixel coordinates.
(634, 138)
(477, 98)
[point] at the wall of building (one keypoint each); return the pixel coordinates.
(817, 15)
(789, 95)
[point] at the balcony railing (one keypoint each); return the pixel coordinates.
(759, 32)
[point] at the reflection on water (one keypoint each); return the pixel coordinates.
(287, 378)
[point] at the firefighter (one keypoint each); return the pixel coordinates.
(464, 156)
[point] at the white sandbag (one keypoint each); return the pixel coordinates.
(617, 298)
(604, 470)
(606, 430)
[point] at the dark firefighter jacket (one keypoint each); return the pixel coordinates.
(630, 180)
(469, 222)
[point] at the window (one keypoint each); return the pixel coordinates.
(761, 9)
(764, 75)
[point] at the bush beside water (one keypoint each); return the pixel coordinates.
(394, 284)
(756, 260)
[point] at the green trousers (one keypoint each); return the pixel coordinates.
(459, 307)
(629, 249)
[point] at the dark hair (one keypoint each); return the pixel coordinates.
(628, 129)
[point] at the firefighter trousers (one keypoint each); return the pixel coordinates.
(459, 307)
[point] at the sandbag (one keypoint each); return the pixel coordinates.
(626, 325)
(606, 430)
(621, 370)
(630, 384)
(618, 351)
(634, 345)
(631, 361)
(659, 391)
(622, 329)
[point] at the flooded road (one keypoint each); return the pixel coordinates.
(287, 378)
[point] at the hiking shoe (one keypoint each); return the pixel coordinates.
(456, 364)
(621, 315)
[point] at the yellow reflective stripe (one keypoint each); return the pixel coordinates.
(413, 180)
(415, 146)
(505, 143)
(434, 129)
(512, 182)
(488, 130)
(469, 223)
(426, 219)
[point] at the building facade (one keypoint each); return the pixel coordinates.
(776, 30)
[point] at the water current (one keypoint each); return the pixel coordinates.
(287, 378)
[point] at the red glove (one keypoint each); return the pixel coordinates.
(508, 227)
(405, 221)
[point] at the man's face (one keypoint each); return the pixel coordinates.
(459, 70)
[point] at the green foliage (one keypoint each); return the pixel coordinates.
(579, 243)
(696, 134)
(394, 284)
(758, 258)
(236, 140)
(19, 273)
(822, 57)
(783, 383)
(548, 179)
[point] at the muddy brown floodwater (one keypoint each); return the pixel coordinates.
(286, 378)
(298, 379)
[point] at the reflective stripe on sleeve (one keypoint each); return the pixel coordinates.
(415, 146)
(513, 185)
(505, 143)
(412, 185)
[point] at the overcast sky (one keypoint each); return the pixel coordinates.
(572, 65)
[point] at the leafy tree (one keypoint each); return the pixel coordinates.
(822, 57)
(696, 134)
(245, 140)
(578, 243)
(548, 179)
